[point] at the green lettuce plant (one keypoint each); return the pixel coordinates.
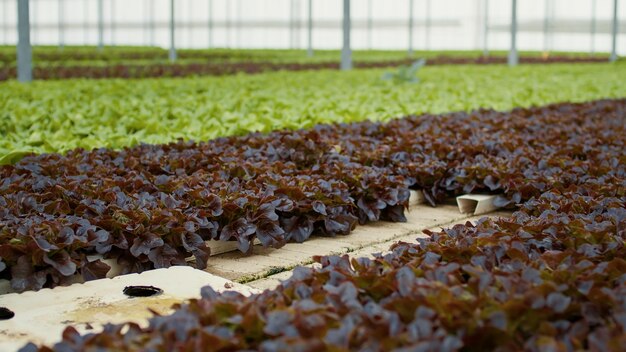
(405, 74)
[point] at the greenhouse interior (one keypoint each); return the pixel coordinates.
(312, 175)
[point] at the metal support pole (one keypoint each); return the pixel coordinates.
(428, 22)
(228, 25)
(145, 25)
(152, 24)
(190, 22)
(112, 22)
(513, 59)
(210, 23)
(24, 50)
(100, 25)
(85, 22)
(310, 30)
(411, 10)
(486, 29)
(291, 24)
(546, 26)
(479, 23)
(370, 24)
(5, 20)
(346, 51)
(34, 30)
(61, 24)
(592, 46)
(172, 54)
(613, 56)
(238, 22)
(297, 23)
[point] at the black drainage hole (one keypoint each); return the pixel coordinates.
(6, 313)
(141, 291)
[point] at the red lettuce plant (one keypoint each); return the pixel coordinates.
(153, 206)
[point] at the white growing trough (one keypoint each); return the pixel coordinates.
(41, 316)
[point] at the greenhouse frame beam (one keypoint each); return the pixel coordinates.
(346, 51)
(310, 29)
(513, 59)
(613, 56)
(172, 52)
(411, 10)
(24, 49)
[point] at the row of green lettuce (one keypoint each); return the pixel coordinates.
(90, 56)
(56, 116)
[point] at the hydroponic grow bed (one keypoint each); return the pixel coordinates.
(550, 275)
